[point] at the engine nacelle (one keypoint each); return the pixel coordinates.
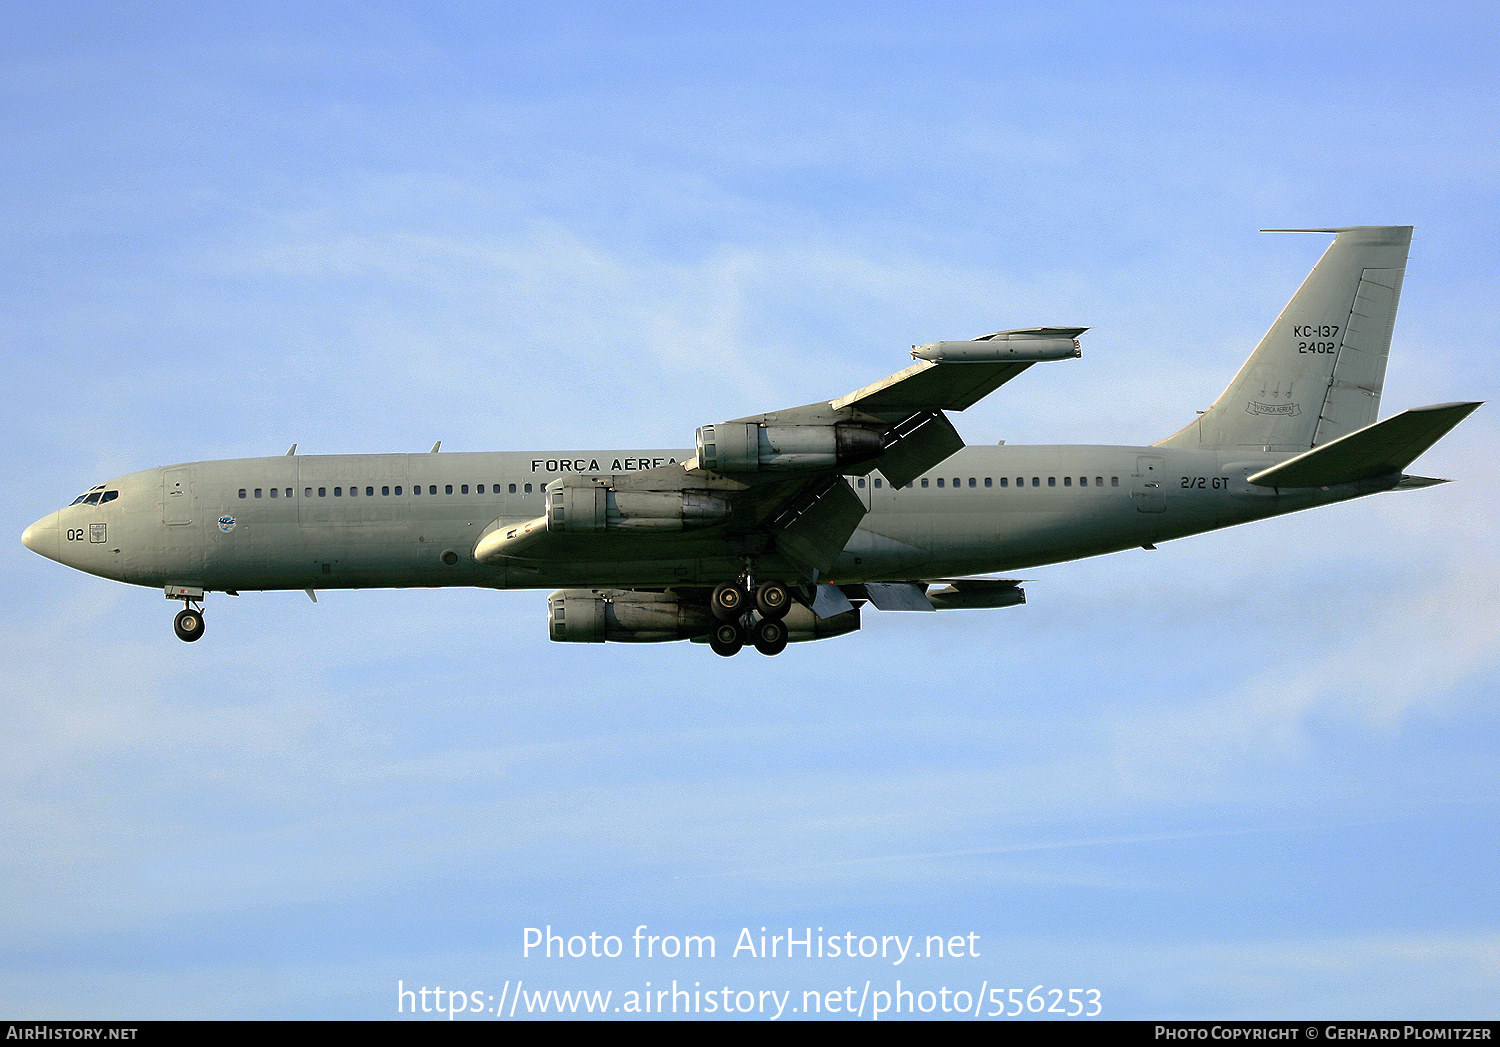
(750, 447)
(802, 624)
(623, 616)
(581, 510)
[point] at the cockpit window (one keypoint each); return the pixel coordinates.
(92, 495)
(108, 496)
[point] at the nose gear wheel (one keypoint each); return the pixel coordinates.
(188, 625)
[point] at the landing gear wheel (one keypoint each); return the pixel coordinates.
(728, 602)
(773, 600)
(726, 639)
(188, 625)
(770, 636)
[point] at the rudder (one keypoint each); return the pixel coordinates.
(1318, 372)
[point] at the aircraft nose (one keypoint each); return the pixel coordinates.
(41, 537)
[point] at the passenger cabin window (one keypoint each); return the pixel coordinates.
(432, 489)
(398, 492)
(1004, 481)
(940, 482)
(1114, 481)
(96, 497)
(877, 481)
(512, 488)
(528, 488)
(276, 492)
(924, 481)
(1067, 481)
(257, 492)
(464, 489)
(448, 489)
(989, 481)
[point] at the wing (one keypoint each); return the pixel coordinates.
(774, 483)
(896, 425)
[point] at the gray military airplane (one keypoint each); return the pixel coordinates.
(778, 527)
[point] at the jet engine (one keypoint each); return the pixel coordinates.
(579, 510)
(802, 624)
(750, 447)
(623, 616)
(632, 616)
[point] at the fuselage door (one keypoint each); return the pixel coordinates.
(176, 497)
(1150, 483)
(862, 486)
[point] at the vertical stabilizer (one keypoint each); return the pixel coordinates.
(1317, 374)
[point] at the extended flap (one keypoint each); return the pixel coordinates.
(929, 441)
(815, 529)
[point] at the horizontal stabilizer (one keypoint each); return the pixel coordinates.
(1376, 450)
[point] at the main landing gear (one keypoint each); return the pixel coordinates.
(749, 614)
(188, 625)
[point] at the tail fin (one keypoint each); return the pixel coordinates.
(1318, 372)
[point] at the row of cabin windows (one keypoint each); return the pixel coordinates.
(989, 481)
(338, 492)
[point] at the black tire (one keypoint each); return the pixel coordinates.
(726, 639)
(770, 636)
(728, 602)
(773, 600)
(188, 625)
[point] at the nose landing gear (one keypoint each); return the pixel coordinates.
(188, 625)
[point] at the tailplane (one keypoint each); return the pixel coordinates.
(1317, 374)
(1379, 450)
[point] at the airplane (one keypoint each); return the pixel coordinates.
(780, 527)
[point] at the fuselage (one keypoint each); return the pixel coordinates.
(400, 520)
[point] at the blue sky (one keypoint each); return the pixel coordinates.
(1247, 775)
